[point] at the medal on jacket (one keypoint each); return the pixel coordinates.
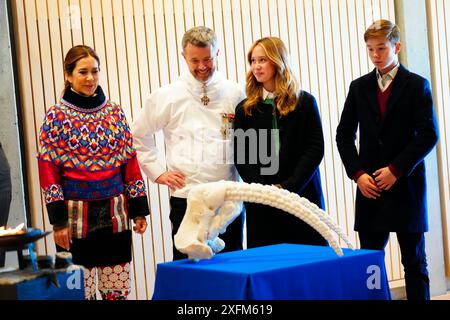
(205, 98)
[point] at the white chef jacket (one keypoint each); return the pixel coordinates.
(196, 139)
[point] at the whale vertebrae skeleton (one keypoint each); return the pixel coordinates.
(211, 207)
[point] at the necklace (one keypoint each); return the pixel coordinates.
(205, 98)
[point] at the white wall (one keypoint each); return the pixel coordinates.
(438, 13)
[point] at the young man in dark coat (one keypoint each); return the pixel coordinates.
(393, 108)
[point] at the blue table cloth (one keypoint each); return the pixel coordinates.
(284, 271)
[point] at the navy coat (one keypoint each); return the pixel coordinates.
(301, 148)
(403, 137)
(301, 151)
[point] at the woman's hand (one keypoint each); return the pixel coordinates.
(63, 237)
(140, 225)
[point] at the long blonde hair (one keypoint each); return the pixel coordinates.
(286, 85)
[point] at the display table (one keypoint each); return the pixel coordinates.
(284, 271)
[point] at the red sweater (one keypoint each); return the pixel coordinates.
(383, 98)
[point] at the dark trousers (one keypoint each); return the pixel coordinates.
(414, 260)
(268, 226)
(5, 201)
(232, 237)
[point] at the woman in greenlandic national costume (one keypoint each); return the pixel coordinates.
(90, 178)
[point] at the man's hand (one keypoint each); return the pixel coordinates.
(368, 186)
(384, 178)
(173, 179)
(62, 237)
(140, 225)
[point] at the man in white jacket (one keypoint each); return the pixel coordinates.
(194, 113)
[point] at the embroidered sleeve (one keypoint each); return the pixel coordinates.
(53, 193)
(49, 177)
(135, 189)
(49, 172)
(132, 178)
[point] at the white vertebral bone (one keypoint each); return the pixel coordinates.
(211, 207)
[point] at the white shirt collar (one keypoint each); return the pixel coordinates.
(195, 87)
(199, 84)
(385, 80)
(391, 73)
(267, 94)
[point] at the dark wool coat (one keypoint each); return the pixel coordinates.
(402, 138)
(301, 151)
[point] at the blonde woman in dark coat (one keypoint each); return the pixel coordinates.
(285, 124)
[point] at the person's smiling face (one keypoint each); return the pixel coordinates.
(84, 78)
(201, 61)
